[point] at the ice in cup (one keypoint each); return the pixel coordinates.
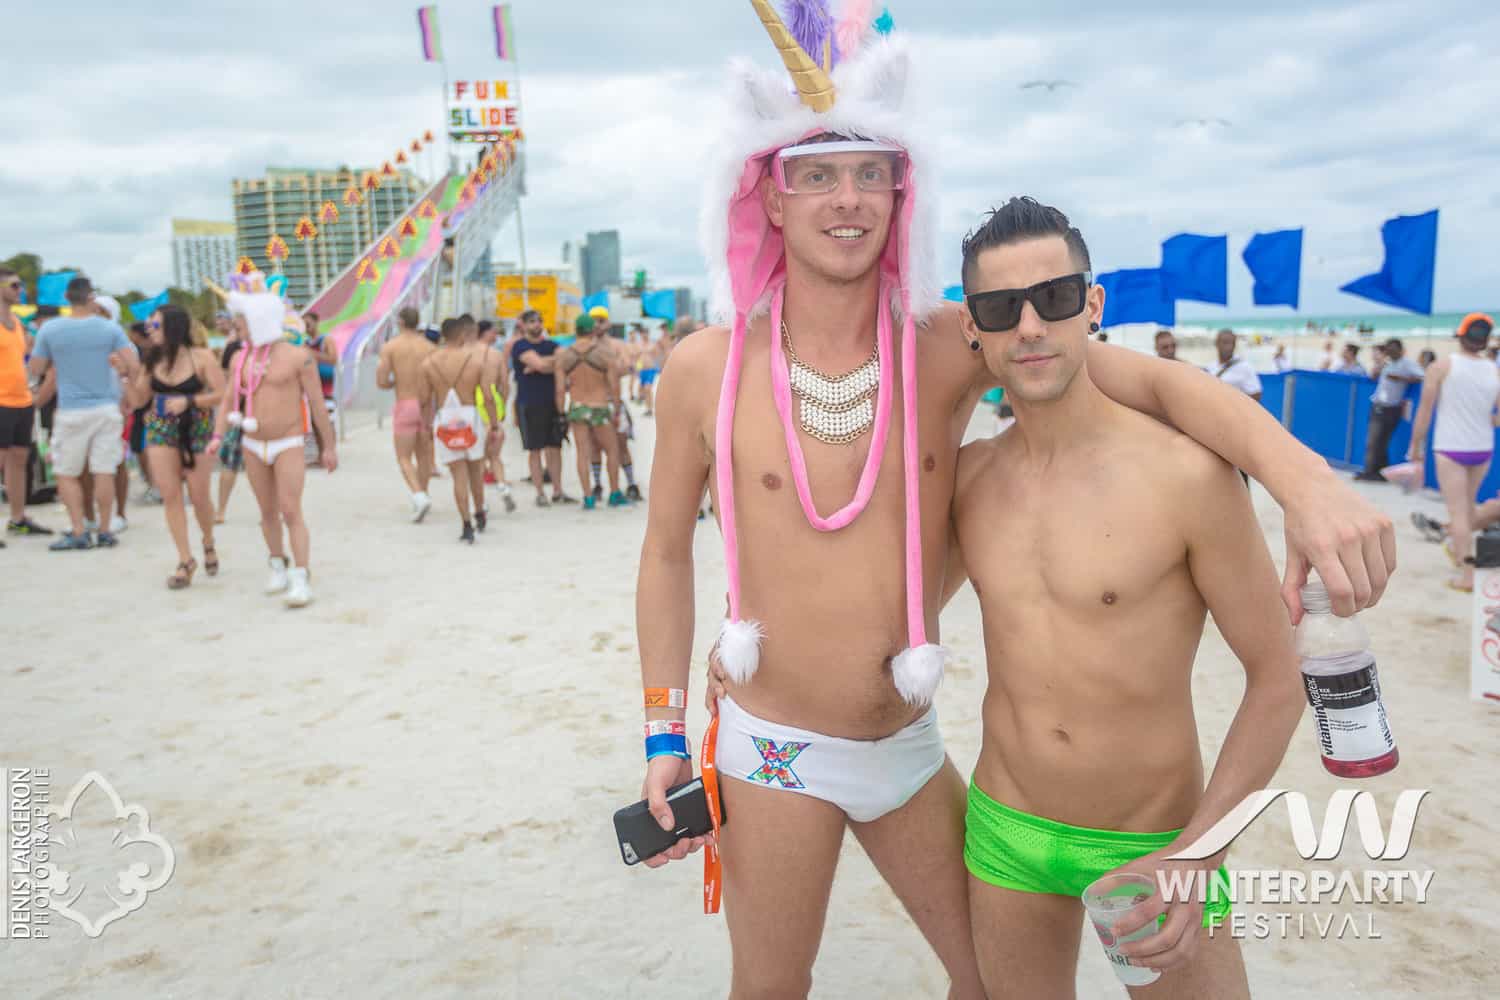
(1110, 899)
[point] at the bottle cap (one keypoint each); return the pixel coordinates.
(1315, 598)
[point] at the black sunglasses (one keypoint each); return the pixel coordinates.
(1054, 300)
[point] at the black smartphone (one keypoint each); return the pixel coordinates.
(642, 837)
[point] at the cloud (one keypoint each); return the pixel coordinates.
(120, 116)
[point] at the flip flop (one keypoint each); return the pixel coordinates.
(210, 560)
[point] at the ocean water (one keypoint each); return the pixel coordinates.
(1342, 324)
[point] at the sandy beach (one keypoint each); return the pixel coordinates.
(406, 789)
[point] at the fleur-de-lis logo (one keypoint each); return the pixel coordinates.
(105, 859)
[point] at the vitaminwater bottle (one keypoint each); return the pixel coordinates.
(1338, 672)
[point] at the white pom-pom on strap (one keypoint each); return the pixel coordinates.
(251, 425)
(739, 649)
(918, 671)
(235, 418)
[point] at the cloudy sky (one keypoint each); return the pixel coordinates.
(120, 115)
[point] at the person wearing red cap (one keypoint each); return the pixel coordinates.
(1463, 389)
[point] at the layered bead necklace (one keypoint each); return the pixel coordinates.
(835, 409)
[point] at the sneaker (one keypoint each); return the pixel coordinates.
(298, 592)
(106, 540)
(563, 498)
(421, 503)
(617, 499)
(277, 581)
(26, 526)
(542, 501)
(118, 525)
(589, 503)
(468, 535)
(70, 541)
(1368, 477)
(482, 519)
(1431, 529)
(634, 493)
(598, 493)
(510, 503)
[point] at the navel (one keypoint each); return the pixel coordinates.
(1062, 735)
(771, 481)
(929, 463)
(1109, 597)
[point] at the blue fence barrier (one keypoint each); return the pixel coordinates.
(1330, 413)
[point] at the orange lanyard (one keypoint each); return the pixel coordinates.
(713, 867)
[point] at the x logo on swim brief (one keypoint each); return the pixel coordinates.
(777, 762)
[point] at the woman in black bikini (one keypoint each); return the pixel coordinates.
(180, 385)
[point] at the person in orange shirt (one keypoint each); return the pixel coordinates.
(17, 414)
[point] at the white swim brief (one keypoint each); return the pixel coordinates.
(864, 778)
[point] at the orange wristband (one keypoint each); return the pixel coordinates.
(666, 698)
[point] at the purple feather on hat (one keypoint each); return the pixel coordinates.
(811, 23)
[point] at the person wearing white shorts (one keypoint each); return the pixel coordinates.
(90, 354)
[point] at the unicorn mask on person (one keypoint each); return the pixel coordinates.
(265, 313)
(850, 86)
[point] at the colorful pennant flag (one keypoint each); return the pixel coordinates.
(505, 32)
(352, 197)
(427, 136)
(416, 145)
(329, 213)
(305, 229)
(427, 24)
(408, 227)
(368, 272)
(388, 248)
(245, 266)
(427, 210)
(401, 157)
(372, 181)
(387, 169)
(276, 249)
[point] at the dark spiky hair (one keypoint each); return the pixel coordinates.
(1020, 219)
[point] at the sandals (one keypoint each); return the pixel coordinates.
(1455, 585)
(210, 560)
(183, 578)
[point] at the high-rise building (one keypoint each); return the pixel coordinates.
(201, 250)
(684, 302)
(271, 206)
(600, 261)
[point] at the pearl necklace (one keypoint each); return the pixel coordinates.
(835, 409)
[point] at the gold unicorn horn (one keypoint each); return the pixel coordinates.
(813, 82)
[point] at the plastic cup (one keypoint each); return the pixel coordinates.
(1110, 899)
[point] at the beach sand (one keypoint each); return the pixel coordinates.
(406, 789)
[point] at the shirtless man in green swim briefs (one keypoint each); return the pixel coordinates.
(1097, 539)
(588, 371)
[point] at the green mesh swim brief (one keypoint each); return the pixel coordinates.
(1016, 850)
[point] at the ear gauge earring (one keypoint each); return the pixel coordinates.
(1093, 328)
(973, 345)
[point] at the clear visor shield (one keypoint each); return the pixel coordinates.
(819, 168)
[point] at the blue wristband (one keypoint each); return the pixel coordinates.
(667, 745)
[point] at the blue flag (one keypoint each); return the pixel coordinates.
(1275, 261)
(597, 299)
(1196, 267)
(954, 293)
(51, 289)
(661, 305)
(144, 308)
(1136, 296)
(1405, 279)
